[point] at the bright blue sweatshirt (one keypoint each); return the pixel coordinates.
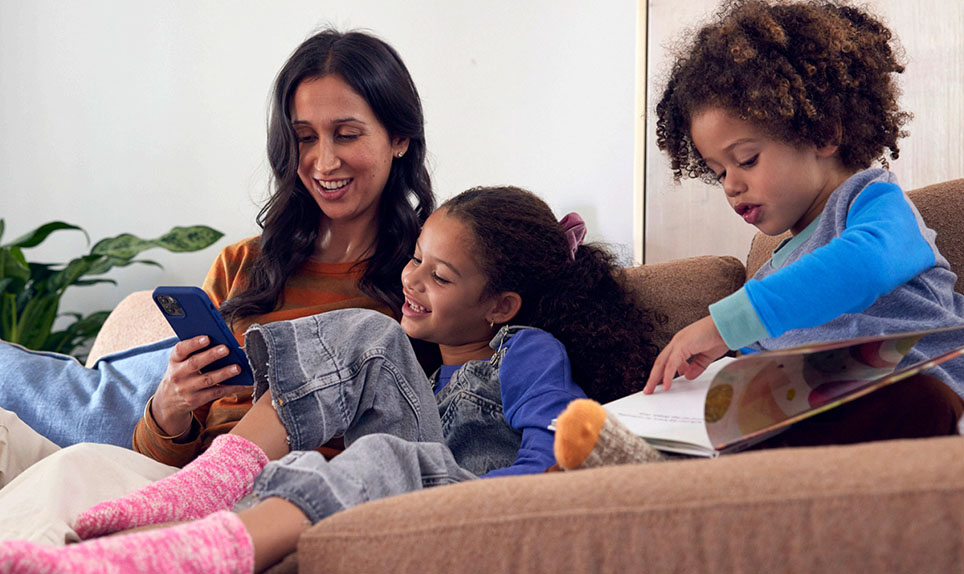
(868, 265)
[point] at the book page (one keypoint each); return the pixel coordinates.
(671, 420)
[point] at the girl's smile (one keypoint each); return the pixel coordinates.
(412, 308)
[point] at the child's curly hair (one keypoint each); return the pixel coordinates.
(806, 72)
(520, 246)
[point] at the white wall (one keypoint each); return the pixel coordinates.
(134, 116)
(694, 219)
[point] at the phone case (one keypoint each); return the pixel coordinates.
(190, 313)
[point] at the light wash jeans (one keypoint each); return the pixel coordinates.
(68, 403)
(349, 373)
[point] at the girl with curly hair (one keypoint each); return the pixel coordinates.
(508, 294)
(786, 105)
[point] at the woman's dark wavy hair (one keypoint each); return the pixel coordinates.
(520, 246)
(815, 72)
(290, 218)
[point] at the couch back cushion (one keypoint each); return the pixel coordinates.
(680, 291)
(940, 205)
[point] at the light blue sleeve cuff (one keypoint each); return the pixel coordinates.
(737, 321)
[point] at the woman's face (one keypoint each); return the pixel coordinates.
(345, 153)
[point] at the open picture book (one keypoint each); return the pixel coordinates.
(737, 402)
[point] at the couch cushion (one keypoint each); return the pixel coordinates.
(942, 208)
(682, 290)
(893, 506)
(135, 321)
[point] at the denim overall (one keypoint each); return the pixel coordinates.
(353, 373)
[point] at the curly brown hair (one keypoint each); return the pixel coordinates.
(805, 72)
(520, 246)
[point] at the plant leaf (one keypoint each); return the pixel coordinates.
(8, 317)
(37, 236)
(40, 274)
(36, 320)
(30, 292)
(88, 282)
(194, 238)
(123, 246)
(74, 270)
(177, 240)
(109, 263)
(12, 264)
(77, 333)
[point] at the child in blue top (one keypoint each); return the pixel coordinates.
(786, 106)
(508, 293)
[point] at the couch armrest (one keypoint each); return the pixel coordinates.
(893, 506)
(135, 321)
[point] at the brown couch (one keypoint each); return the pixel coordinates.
(892, 506)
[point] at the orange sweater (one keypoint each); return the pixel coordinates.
(315, 288)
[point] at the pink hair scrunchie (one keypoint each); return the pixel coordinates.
(574, 228)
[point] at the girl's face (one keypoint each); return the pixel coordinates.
(443, 287)
(345, 153)
(771, 184)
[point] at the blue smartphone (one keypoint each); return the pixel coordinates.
(190, 313)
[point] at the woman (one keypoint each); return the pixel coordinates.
(347, 150)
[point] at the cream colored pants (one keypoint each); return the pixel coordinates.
(46, 487)
(20, 446)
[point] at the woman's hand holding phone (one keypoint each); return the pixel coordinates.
(184, 387)
(206, 356)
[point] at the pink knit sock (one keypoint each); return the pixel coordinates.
(214, 481)
(216, 544)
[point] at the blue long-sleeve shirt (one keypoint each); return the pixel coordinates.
(868, 265)
(537, 386)
(496, 413)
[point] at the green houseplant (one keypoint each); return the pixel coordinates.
(30, 292)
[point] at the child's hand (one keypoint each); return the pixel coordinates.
(689, 352)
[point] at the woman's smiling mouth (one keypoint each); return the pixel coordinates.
(329, 186)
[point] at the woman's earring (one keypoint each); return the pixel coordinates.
(491, 324)
(400, 154)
